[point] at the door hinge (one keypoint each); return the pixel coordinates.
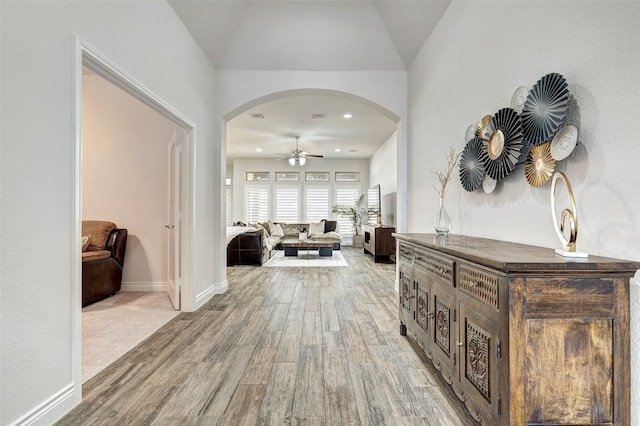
(498, 349)
(499, 406)
(454, 358)
(414, 315)
(454, 315)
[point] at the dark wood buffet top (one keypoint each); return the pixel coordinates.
(514, 257)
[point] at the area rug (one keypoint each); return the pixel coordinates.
(114, 326)
(304, 260)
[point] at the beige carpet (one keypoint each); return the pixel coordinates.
(306, 260)
(114, 326)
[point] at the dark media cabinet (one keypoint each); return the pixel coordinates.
(379, 241)
(523, 336)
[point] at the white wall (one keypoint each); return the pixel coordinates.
(39, 370)
(332, 165)
(383, 170)
(125, 176)
(467, 70)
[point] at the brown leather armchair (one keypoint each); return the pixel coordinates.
(103, 260)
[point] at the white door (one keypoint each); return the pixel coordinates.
(174, 225)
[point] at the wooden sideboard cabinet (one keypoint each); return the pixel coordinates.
(523, 336)
(379, 241)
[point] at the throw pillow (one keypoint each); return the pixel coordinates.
(85, 242)
(330, 225)
(265, 225)
(276, 230)
(316, 228)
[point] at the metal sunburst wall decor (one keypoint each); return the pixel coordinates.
(545, 108)
(501, 151)
(471, 167)
(537, 132)
(540, 165)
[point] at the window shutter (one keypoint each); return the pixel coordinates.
(227, 206)
(287, 204)
(346, 196)
(316, 203)
(256, 203)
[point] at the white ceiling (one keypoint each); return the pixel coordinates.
(337, 35)
(356, 137)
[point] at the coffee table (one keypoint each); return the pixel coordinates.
(291, 246)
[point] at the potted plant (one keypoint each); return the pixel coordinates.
(358, 213)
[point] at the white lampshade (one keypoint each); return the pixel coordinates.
(302, 161)
(292, 161)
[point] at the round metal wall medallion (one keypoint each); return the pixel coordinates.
(564, 142)
(471, 167)
(519, 98)
(489, 184)
(501, 151)
(545, 108)
(539, 166)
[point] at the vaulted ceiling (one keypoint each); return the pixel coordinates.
(341, 35)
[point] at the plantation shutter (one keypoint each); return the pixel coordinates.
(346, 196)
(316, 203)
(256, 203)
(287, 204)
(227, 206)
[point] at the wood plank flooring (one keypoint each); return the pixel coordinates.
(316, 346)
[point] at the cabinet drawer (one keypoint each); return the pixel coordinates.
(430, 262)
(479, 284)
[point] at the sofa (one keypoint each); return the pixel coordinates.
(255, 244)
(103, 254)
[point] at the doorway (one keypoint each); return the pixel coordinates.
(176, 184)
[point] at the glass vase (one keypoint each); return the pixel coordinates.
(442, 221)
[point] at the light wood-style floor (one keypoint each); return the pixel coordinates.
(317, 346)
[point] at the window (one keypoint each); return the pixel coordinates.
(257, 176)
(316, 176)
(287, 203)
(227, 206)
(316, 202)
(288, 176)
(347, 177)
(346, 195)
(256, 203)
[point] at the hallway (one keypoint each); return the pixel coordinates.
(281, 346)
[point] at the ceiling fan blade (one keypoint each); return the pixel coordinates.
(313, 155)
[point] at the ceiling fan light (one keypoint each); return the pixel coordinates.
(292, 161)
(302, 161)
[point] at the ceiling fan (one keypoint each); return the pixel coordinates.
(297, 155)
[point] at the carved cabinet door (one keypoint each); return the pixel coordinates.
(443, 335)
(423, 310)
(479, 352)
(406, 293)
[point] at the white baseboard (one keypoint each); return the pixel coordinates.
(222, 287)
(144, 287)
(204, 297)
(52, 409)
(396, 286)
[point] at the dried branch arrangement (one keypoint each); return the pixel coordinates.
(444, 176)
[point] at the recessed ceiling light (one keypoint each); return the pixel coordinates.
(337, 150)
(347, 115)
(258, 149)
